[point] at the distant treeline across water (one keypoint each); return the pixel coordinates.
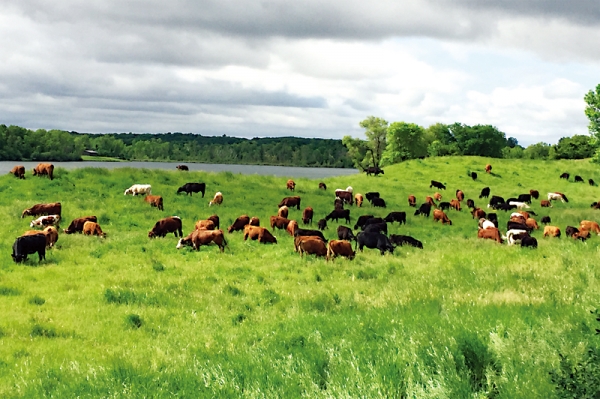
(20, 144)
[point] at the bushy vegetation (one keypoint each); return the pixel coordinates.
(129, 316)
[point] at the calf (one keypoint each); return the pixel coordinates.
(217, 199)
(93, 229)
(43, 221)
(545, 204)
(27, 245)
(485, 192)
(565, 176)
(437, 184)
(339, 214)
(440, 215)
(535, 194)
(259, 233)
(399, 217)
(164, 226)
(345, 233)
(239, 224)
(424, 209)
(51, 236)
(290, 202)
(311, 246)
(190, 188)
(490, 234)
(53, 208)
(488, 168)
(591, 182)
(412, 201)
(197, 238)
(322, 186)
(340, 248)
(546, 220)
(322, 224)
(307, 215)
(291, 185)
(551, 231)
(76, 225)
(437, 196)
(455, 204)
(400, 240)
(155, 201)
(473, 175)
(578, 179)
(529, 241)
(358, 198)
(444, 206)
(279, 222)
(378, 202)
(139, 189)
(374, 240)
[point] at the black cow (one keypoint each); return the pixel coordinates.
(437, 184)
(399, 217)
(372, 221)
(361, 221)
(570, 231)
(592, 182)
(26, 245)
(305, 232)
(529, 242)
(485, 192)
(339, 214)
(424, 209)
(565, 176)
(444, 206)
(338, 203)
(400, 240)
(374, 240)
(378, 227)
(496, 200)
(518, 226)
(370, 195)
(505, 207)
(378, 202)
(322, 224)
(546, 220)
(492, 217)
(345, 233)
(524, 198)
(470, 203)
(578, 179)
(374, 170)
(190, 188)
(473, 175)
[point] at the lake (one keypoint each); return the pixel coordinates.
(286, 171)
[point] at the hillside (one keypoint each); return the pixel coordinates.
(129, 315)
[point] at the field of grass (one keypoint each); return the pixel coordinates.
(129, 316)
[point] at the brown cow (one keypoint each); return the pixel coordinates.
(338, 203)
(551, 231)
(535, 194)
(76, 225)
(291, 185)
(546, 204)
(171, 224)
(239, 224)
(18, 171)
(215, 220)
(279, 222)
(589, 225)
(323, 186)
(429, 200)
(311, 246)
(44, 169)
(254, 221)
(488, 168)
(49, 232)
(204, 225)
(155, 201)
(182, 167)
(525, 214)
(197, 238)
(359, 200)
(92, 229)
(532, 223)
(345, 196)
(307, 215)
(478, 213)
(437, 196)
(460, 195)
(292, 227)
(582, 235)
(43, 209)
(283, 212)
(217, 199)
(440, 215)
(259, 233)
(340, 248)
(455, 204)
(491, 234)
(412, 200)
(290, 202)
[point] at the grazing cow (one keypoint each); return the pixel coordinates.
(400, 240)
(340, 248)
(473, 175)
(392, 217)
(76, 225)
(259, 233)
(460, 195)
(292, 227)
(322, 224)
(485, 192)
(535, 194)
(311, 246)
(470, 203)
(362, 220)
(492, 217)
(570, 231)
(291, 185)
(424, 209)
(557, 196)
(374, 240)
(374, 170)
(306, 233)
(53, 208)
(519, 205)
(290, 202)
(44, 169)
(254, 221)
(374, 220)
(546, 220)
(279, 222)
(412, 201)
(437, 184)
(93, 229)
(529, 241)
(532, 223)
(524, 198)
(239, 224)
(490, 234)
(440, 215)
(589, 225)
(512, 225)
(565, 176)
(139, 189)
(578, 179)
(345, 233)
(345, 196)
(378, 227)
(551, 231)
(339, 214)
(429, 200)
(30, 244)
(155, 201)
(371, 194)
(486, 224)
(215, 220)
(582, 235)
(505, 207)
(545, 204)
(488, 168)
(283, 211)
(217, 199)
(455, 204)
(595, 205)
(478, 213)
(43, 221)
(197, 238)
(512, 236)
(444, 206)
(437, 196)
(18, 171)
(190, 188)
(322, 186)
(51, 236)
(338, 203)
(591, 182)
(307, 215)
(182, 167)
(167, 225)
(204, 225)
(358, 198)
(378, 202)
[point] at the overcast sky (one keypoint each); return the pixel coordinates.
(305, 68)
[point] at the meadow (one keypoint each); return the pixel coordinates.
(129, 316)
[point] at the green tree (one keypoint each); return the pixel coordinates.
(404, 141)
(592, 111)
(576, 147)
(482, 140)
(538, 151)
(440, 140)
(365, 153)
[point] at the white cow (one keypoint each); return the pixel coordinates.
(44, 221)
(217, 199)
(139, 189)
(557, 196)
(520, 205)
(486, 224)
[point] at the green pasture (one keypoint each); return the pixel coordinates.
(129, 316)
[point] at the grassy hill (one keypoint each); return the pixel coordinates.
(135, 317)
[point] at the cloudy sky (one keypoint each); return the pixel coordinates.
(310, 68)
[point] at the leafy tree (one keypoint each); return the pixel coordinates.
(404, 141)
(512, 152)
(365, 153)
(538, 151)
(441, 141)
(576, 147)
(482, 140)
(592, 111)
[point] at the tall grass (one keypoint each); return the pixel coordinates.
(135, 317)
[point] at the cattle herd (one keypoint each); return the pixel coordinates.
(372, 231)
